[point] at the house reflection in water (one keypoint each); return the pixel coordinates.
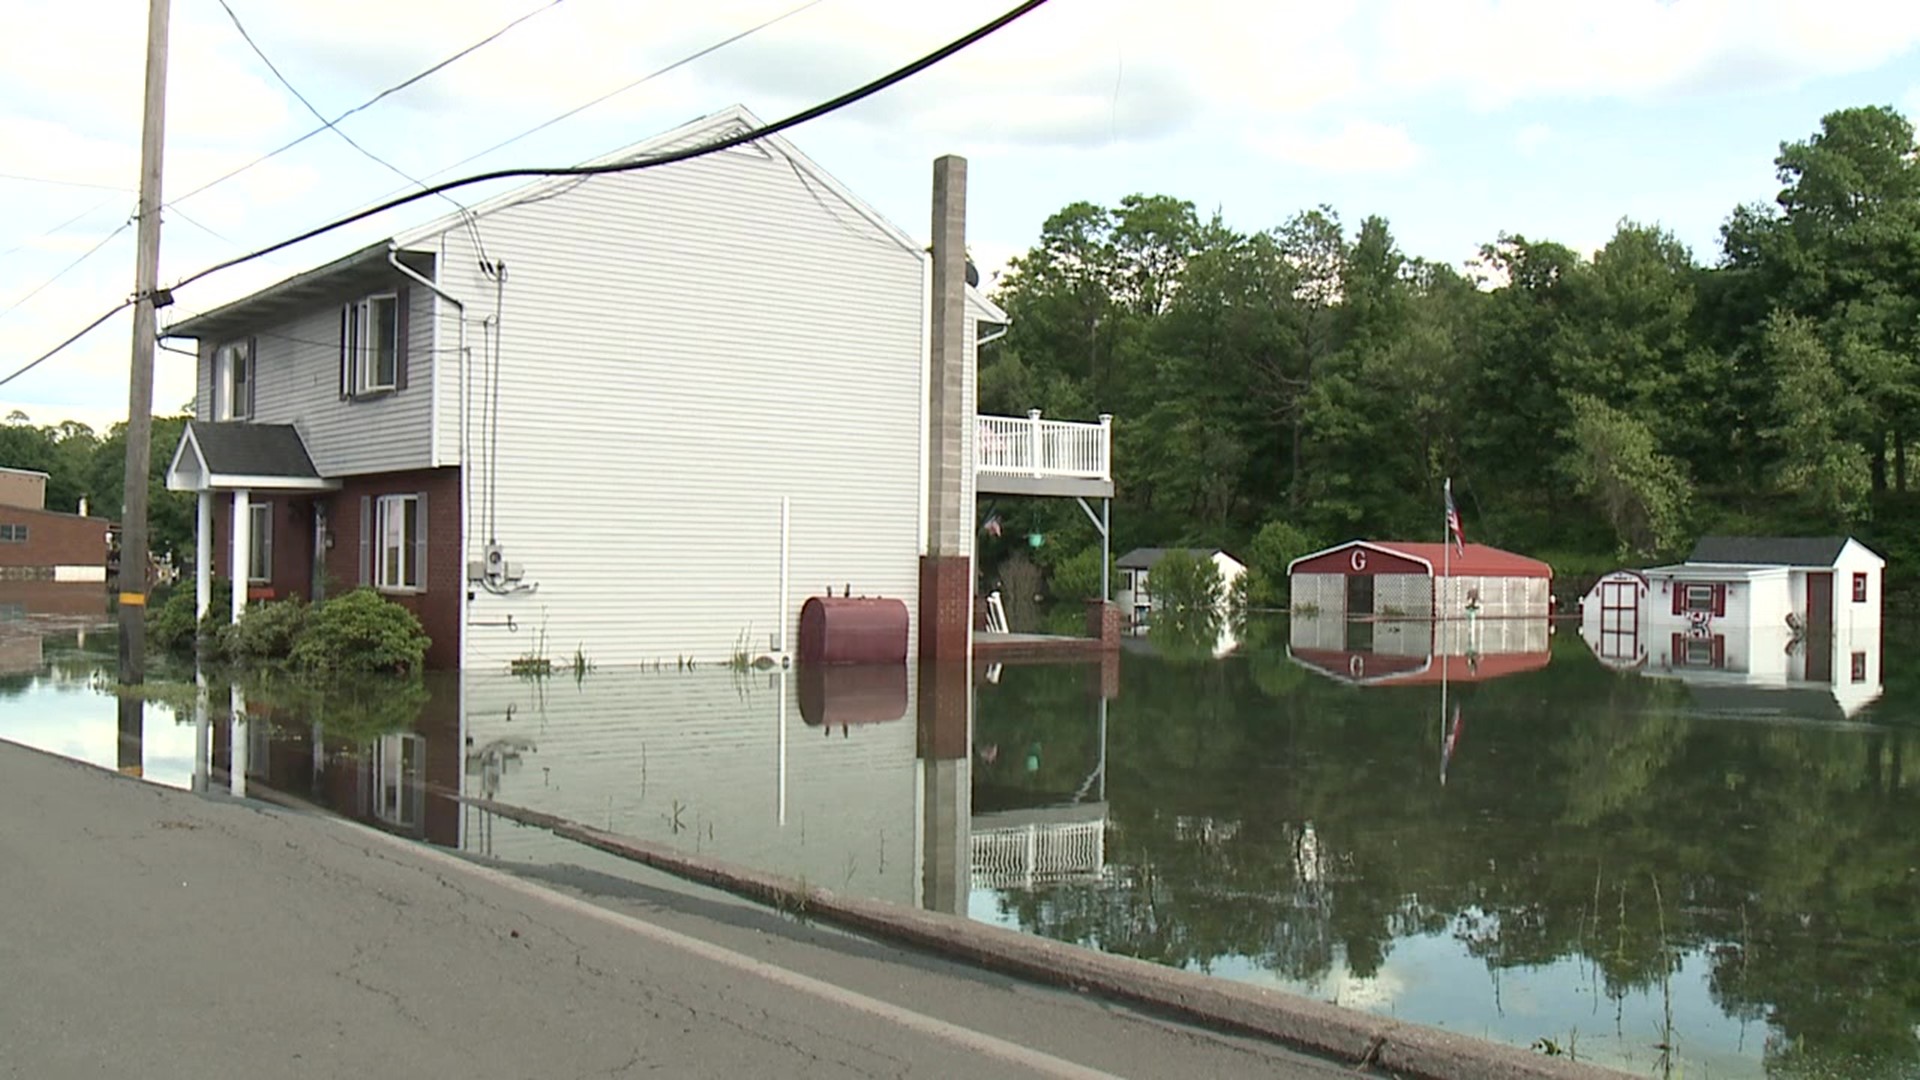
(1418, 652)
(859, 781)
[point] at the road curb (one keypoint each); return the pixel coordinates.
(1386, 1046)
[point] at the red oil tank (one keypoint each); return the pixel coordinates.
(853, 630)
(843, 695)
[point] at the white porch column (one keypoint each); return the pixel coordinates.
(203, 555)
(242, 544)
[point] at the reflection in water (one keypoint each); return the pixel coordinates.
(1567, 852)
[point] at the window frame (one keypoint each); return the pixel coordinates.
(13, 534)
(260, 543)
(404, 546)
(1693, 590)
(362, 349)
(233, 375)
(1859, 588)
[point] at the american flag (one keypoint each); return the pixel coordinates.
(1453, 520)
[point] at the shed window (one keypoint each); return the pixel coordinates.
(1859, 588)
(1859, 672)
(1700, 598)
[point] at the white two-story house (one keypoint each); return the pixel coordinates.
(641, 415)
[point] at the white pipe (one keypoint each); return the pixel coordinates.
(203, 554)
(786, 536)
(240, 563)
(237, 743)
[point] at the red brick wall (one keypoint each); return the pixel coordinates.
(54, 539)
(438, 606)
(946, 592)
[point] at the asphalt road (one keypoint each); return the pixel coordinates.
(152, 932)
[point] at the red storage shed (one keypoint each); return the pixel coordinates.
(1396, 579)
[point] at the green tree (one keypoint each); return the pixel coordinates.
(1185, 583)
(1819, 466)
(1615, 461)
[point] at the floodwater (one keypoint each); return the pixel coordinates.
(1685, 872)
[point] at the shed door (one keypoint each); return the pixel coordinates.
(1820, 603)
(1619, 619)
(1359, 594)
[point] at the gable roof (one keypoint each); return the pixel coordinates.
(1146, 558)
(1475, 560)
(222, 456)
(1769, 550)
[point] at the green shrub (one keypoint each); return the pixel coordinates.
(1078, 576)
(361, 633)
(266, 632)
(1274, 546)
(170, 626)
(1182, 582)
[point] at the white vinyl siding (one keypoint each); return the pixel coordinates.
(296, 375)
(681, 348)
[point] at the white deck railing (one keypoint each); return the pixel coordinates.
(1030, 446)
(1023, 856)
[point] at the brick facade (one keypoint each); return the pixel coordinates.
(946, 597)
(438, 605)
(53, 539)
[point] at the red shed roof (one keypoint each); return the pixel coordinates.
(1476, 560)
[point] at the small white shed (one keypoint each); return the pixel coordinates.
(1135, 595)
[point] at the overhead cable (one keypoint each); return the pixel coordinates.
(858, 94)
(369, 103)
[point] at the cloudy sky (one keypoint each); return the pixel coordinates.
(1455, 119)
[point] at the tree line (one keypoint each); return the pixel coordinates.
(81, 463)
(1280, 389)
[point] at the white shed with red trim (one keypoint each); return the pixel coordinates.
(1396, 579)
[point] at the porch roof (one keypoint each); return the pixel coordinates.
(232, 456)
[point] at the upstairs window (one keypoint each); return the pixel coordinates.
(1859, 588)
(13, 534)
(233, 381)
(373, 345)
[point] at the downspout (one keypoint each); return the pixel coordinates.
(466, 466)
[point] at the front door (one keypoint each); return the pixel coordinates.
(1359, 595)
(1820, 603)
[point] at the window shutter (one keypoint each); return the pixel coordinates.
(1719, 601)
(404, 317)
(366, 539)
(1679, 650)
(1679, 598)
(1719, 651)
(346, 353)
(253, 372)
(420, 542)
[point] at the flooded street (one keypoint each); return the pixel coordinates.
(1685, 877)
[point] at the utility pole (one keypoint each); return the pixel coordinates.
(146, 278)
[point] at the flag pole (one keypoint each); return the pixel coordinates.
(1439, 627)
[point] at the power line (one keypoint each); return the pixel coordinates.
(851, 97)
(64, 183)
(369, 103)
(69, 268)
(84, 331)
(87, 213)
(642, 80)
